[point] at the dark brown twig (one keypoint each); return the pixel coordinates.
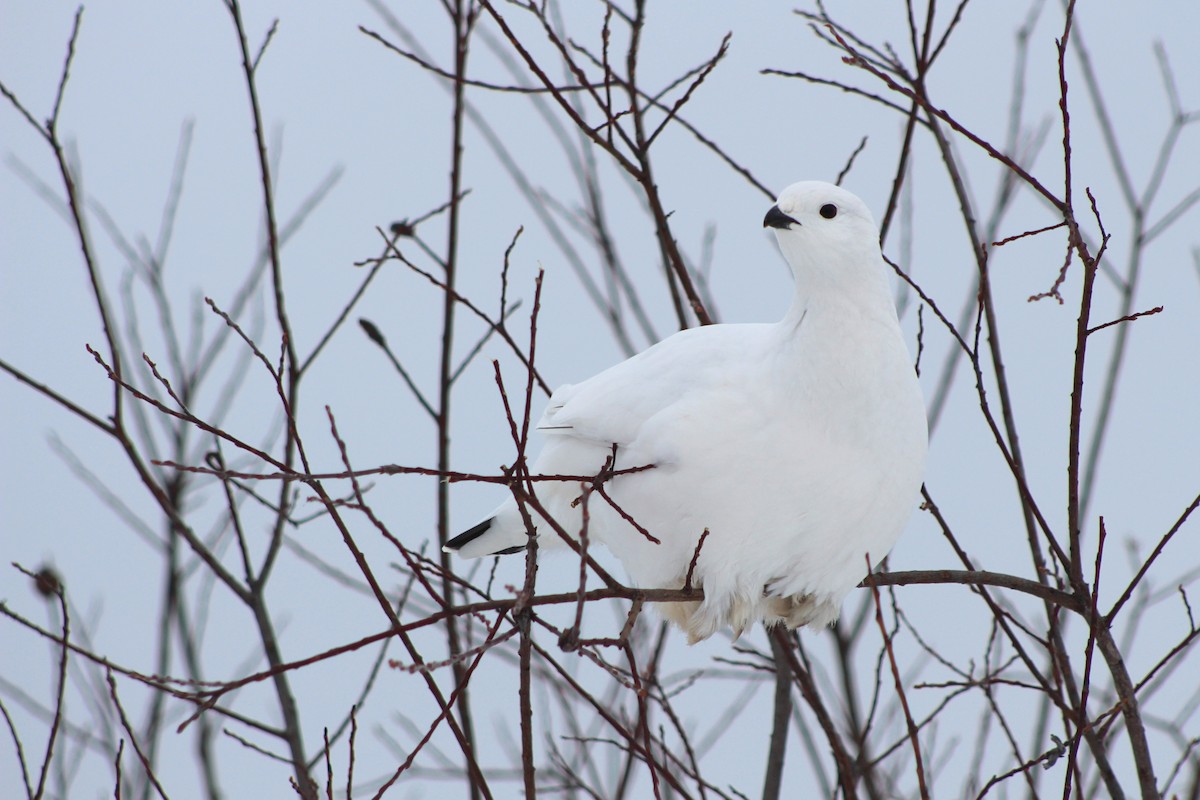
(913, 738)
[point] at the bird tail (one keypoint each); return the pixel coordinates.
(489, 538)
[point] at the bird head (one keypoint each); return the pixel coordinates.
(827, 235)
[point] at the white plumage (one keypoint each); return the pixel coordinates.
(799, 445)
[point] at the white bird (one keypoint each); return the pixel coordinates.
(799, 445)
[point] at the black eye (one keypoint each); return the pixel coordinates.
(829, 211)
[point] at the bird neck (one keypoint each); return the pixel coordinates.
(848, 298)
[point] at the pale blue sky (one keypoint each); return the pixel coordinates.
(335, 100)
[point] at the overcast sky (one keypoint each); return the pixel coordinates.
(339, 105)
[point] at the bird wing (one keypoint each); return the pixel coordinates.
(615, 405)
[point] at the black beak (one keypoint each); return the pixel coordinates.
(777, 219)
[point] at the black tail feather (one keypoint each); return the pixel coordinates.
(472, 534)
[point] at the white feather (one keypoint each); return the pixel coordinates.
(798, 445)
